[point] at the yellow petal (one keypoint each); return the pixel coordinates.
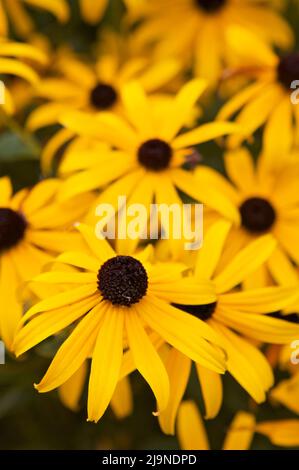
(17, 68)
(122, 399)
(138, 109)
(209, 255)
(80, 260)
(182, 107)
(62, 299)
(184, 332)
(283, 433)
(178, 367)
(47, 324)
(146, 359)
(240, 168)
(211, 196)
(5, 191)
(73, 352)
(184, 291)
(205, 133)
(246, 364)
(106, 363)
(191, 431)
(211, 387)
(11, 304)
(93, 10)
(71, 391)
(100, 247)
(259, 327)
(245, 263)
(240, 433)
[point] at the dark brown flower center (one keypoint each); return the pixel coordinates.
(203, 312)
(210, 6)
(155, 155)
(288, 70)
(122, 280)
(257, 215)
(12, 228)
(103, 96)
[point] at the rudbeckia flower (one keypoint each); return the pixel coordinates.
(148, 154)
(192, 434)
(203, 26)
(94, 88)
(267, 199)
(33, 228)
(15, 12)
(267, 99)
(13, 62)
(117, 300)
(235, 315)
(92, 11)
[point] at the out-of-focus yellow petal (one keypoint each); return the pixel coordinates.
(240, 433)
(146, 358)
(191, 431)
(71, 391)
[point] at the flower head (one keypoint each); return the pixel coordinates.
(114, 303)
(33, 228)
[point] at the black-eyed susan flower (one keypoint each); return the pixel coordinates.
(14, 57)
(33, 228)
(203, 26)
(267, 100)
(267, 201)
(235, 315)
(116, 302)
(77, 84)
(15, 12)
(148, 152)
(193, 436)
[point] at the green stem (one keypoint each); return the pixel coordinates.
(28, 139)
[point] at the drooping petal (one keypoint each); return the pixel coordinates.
(211, 387)
(240, 433)
(178, 367)
(106, 363)
(47, 324)
(191, 431)
(146, 358)
(73, 352)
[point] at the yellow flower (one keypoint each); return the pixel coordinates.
(267, 100)
(14, 11)
(93, 11)
(266, 197)
(203, 27)
(192, 434)
(148, 152)
(118, 300)
(13, 58)
(33, 228)
(94, 88)
(235, 315)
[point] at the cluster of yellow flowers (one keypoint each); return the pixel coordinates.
(131, 121)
